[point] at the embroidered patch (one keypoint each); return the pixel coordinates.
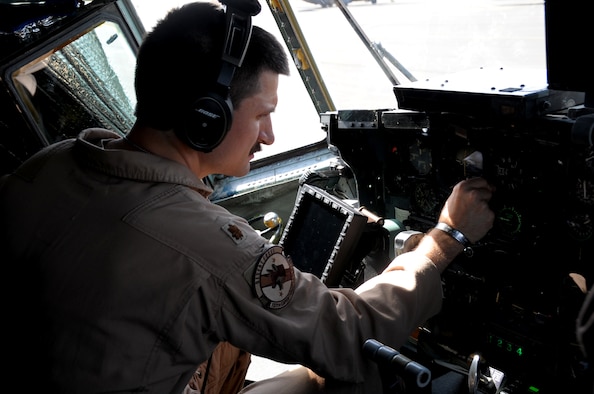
(233, 231)
(274, 279)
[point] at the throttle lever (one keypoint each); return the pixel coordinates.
(474, 374)
(491, 382)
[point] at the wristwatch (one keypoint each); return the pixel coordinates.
(452, 232)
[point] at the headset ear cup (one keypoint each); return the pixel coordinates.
(207, 122)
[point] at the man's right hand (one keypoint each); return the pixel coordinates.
(467, 208)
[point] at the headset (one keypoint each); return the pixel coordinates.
(209, 118)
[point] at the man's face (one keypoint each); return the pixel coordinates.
(251, 127)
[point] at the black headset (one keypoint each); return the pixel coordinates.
(209, 119)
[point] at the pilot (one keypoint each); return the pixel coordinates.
(127, 277)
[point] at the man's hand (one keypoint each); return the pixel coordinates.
(467, 208)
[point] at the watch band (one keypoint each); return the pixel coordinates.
(452, 232)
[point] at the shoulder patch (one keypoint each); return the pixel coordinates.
(274, 279)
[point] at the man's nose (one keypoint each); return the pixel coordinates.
(266, 134)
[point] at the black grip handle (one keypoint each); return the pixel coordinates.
(386, 356)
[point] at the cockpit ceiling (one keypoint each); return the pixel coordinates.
(15, 14)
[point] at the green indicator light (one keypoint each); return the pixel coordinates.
(533, 389)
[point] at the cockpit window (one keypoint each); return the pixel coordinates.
(85, 83)
(365, 47)
(362, 48)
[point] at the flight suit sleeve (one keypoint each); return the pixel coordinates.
(325, 329)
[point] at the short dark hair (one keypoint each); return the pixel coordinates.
(180, 59)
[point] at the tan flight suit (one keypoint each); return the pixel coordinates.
(141, 277)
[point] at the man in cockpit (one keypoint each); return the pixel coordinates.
(132, 277)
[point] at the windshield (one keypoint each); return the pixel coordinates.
(424, 39)
(413, 40)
